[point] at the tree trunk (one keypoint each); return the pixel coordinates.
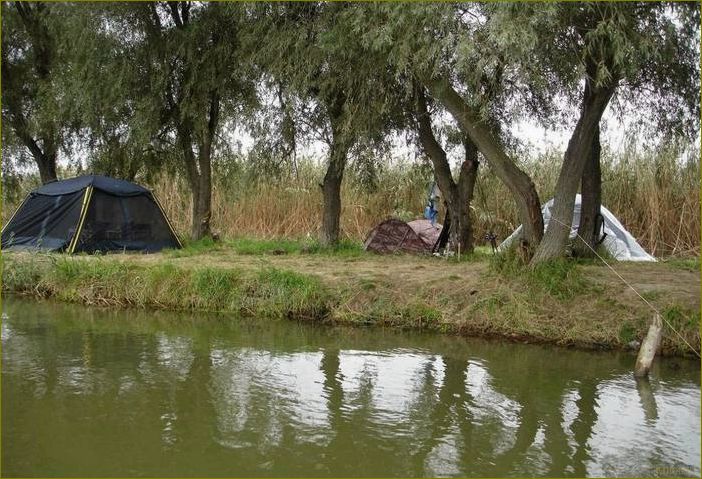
(47, 167)
(202, 202)
(456, 195)
(202, 213)
(185, 137)
(199, 169)
(331, 186)
(553, 245)
(519, 184)
(591, 200)
(45, 157)
(331, 192)
(461, 221)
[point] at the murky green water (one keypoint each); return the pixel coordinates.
(96, 393)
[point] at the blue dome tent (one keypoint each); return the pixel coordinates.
(88, 214)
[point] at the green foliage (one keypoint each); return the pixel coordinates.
(23, 276)
(507, 263)
(290, 294)
(311, 53)
(627, 333)
(688, 264)
(344, 248)
(680, 318)
(560, 278)
(653, 47)
(268, 292)
(383, 312)
(251, 246)
(195, 247)
(215, 287)
(35, 105)
(255, 246)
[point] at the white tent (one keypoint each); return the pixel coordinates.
(618, 242)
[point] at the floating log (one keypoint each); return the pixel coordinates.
(648, 349)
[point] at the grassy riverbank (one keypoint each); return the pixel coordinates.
(581, 305)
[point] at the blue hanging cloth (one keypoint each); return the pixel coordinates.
(430, 211)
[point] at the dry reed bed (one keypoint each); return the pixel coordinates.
(655, 195)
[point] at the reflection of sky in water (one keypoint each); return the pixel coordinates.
(624, 438)
(21, 355)
(175, 354)
(490, 406)
(443, 460)
(393, 378)
(449, 414)
(257, 385)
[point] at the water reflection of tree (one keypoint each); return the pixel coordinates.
(113, 355)
(193, 407)
(451, 408)
(536, 382)
(355, 447)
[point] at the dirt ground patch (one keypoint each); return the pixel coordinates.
(658, 283)
(410, 271)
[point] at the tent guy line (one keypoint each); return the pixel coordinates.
(655, 310)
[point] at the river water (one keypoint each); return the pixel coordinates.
(89, 392)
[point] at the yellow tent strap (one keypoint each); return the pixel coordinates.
(163, 212)
(81, 219)
(15, 213)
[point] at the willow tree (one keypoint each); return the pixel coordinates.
(31, 91)
(644, 48)
(181, 74)
(103, 77)
(665, 90)
(476, 59)
(448, 49)
(310, 50)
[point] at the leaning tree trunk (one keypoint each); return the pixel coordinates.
(457, 195)
(331, 192)
(519, 184)
(591, 200)
(553, 245)
(44, 157)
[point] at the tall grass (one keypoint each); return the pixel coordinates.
(654, 193)
(247, 205)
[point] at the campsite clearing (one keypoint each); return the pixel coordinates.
(581, 305)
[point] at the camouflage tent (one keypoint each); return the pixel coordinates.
(394, 235)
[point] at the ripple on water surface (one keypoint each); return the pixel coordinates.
(92, 392)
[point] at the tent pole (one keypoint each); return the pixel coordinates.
(168, 221)
(81, 219)
(15, 213)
